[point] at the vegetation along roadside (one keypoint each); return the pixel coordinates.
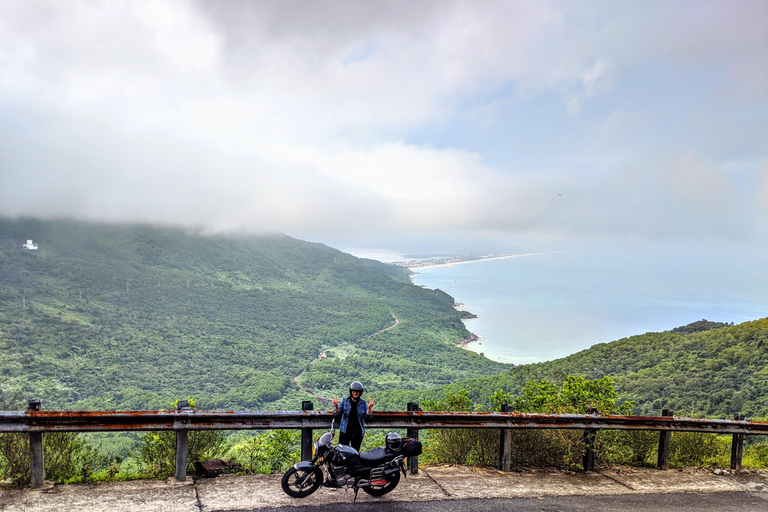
(133, 317)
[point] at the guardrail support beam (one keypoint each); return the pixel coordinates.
(737, 446)
(182, 445)
(589, 450)
(37, 472)
(36, 459)
(505, 444)
(588, 462)
(182, 448)
(665, 439)
(306, 433)
(413, 462)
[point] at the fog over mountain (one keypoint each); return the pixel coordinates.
(484, 126)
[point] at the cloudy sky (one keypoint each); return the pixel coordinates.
(364, 122)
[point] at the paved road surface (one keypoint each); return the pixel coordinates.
(438, 489)
(673, 502)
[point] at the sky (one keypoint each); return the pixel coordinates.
(458, 125)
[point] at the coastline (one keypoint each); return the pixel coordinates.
(413, 265)
(539, 309)
(473, 337)
(465, 344)
(473, 341)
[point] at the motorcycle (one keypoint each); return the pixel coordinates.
(376, 471)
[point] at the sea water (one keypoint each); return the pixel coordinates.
(548, 305)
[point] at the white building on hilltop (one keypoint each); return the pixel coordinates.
(29, 245)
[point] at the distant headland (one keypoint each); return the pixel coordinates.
(456, 260)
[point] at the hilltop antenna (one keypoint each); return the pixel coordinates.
(24, 302)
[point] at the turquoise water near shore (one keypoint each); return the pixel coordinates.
(545, 306)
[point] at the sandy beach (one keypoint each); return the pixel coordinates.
(462, 261)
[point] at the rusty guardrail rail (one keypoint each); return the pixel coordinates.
(36, 422)
(100, 421)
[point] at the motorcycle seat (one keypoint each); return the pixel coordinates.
(376, 457)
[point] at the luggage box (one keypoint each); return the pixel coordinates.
(411, 447)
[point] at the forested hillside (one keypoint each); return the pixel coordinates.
(105, 316)
(714, 373)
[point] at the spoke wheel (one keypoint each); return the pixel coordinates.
(300, 483)
(381, 490)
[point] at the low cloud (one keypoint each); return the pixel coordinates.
(302, 117)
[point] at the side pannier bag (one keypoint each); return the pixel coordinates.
(411, 447)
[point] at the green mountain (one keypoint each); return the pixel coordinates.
(111, 316)
(715, 372)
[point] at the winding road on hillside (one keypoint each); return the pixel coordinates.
(323, 355)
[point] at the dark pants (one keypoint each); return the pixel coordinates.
(353, 439)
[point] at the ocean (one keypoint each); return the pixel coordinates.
(548, 305)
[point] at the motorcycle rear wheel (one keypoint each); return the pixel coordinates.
(300, 483)
(381, 490)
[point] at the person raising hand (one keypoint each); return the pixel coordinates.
(354, 411)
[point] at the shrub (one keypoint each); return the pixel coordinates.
(68, 458)
(459, 446)
(627, 447)
(699, 449)
(273, 451)
(14, 449)
(575, 395)
(157, 453)
(756, 455)
(557, 448)
(479, 447)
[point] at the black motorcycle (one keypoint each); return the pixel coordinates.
(376, 471)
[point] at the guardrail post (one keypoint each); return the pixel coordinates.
(413, 462)
(306, 433)
(505, 444)
(182, 446)
(588, 462)
(737, 446)
(37, 473)
(665, 439)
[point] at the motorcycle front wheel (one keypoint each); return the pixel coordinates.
(381, 490)
(300, 483)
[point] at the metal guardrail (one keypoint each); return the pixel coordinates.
(36, 422)
(98, 421)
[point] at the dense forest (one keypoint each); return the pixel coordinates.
(704, 369)
(133, 317)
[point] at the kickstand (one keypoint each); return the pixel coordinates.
(355, 500)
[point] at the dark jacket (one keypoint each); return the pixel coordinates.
(362, 413)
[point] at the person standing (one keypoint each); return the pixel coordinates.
(354, 411)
